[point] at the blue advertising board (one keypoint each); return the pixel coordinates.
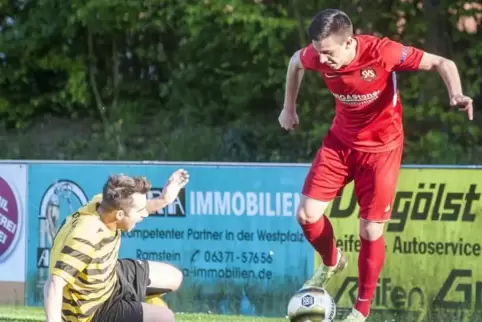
(232, 231)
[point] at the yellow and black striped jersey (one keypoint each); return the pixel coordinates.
(84, 254)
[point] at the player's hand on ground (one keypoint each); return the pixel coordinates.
(174, 184)
(464, 103)
(288, 119)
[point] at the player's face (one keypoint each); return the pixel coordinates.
(136, 213)
(333, 51)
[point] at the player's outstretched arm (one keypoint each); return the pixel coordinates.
(288, 118)
(53, 294)
(178, 180)
(396, 56)
(450, 75)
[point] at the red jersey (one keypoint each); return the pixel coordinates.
(368, 114)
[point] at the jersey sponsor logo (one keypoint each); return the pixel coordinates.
(368, 74)
(357, 99)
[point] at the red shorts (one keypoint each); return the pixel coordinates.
(375, 176)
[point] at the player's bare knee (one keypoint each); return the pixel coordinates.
(165, 277)
(371, 230)
(303, 217)
(310, 210)
(176, 278)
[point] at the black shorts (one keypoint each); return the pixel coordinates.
(125, 303)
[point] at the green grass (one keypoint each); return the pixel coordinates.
(34, 314)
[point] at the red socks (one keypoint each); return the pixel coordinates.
(370, 263)
(370, 260)
(320, 235)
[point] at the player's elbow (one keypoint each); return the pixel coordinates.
(445, 64)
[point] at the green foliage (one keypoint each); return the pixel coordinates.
(204, 80)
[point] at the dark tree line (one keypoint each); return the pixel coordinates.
(204, 80)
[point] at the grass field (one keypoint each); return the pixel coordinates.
(35, 314)
(26, 314)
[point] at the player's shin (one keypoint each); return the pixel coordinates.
(370, 264)
(320, 235)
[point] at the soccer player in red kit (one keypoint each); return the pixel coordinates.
(365, 141)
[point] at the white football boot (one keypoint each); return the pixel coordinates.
(354, 316)
(323, 274)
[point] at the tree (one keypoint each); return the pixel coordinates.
(210, 75)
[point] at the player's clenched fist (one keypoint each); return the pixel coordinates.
(464, 103)
(174, 184)
(288, 119)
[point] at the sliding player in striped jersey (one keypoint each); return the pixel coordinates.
(87, 281)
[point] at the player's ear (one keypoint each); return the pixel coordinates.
(119, 214)
(349, 42)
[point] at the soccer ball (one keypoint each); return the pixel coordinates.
(311, 304)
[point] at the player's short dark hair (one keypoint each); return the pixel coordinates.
(118, 190)
(330, 22)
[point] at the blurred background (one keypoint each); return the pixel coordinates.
(203, 80)
(180, 80)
